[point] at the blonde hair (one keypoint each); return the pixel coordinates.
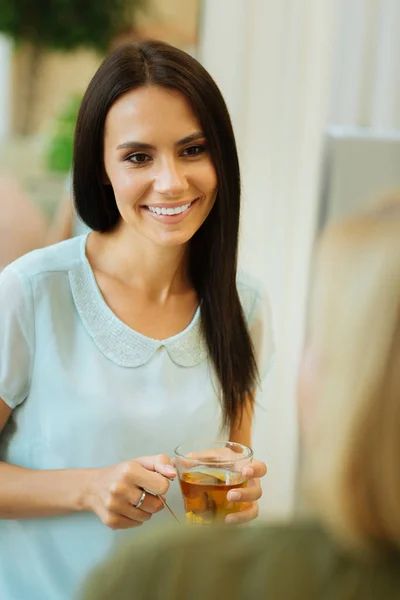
(353, 442)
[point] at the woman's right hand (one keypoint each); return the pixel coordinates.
(114, 492)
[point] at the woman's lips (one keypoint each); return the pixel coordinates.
(174, 218)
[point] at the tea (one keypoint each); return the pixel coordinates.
(205, 494)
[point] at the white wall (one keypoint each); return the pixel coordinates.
(273, 61)
(5, 86)
(366, 73)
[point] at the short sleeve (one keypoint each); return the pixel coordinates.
(16, 337)
(261, 332)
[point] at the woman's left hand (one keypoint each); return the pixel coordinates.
(250, 494)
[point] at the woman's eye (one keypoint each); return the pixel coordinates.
(139, 158)
(194, 150)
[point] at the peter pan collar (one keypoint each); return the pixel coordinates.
(116, 340)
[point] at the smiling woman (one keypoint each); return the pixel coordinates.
(135, 337)
(164, 177)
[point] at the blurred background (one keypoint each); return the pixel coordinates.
(313, 87)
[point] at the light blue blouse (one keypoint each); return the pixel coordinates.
(88, 391)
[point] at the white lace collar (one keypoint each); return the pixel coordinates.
(115, 339)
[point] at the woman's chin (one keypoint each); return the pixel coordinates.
(173, 241)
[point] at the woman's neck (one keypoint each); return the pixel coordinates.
(156, 271)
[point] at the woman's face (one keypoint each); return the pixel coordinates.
(156, 159)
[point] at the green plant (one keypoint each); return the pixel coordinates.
(41, 25)
(60, 147)
(67, 24)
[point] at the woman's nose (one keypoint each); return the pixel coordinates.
(171, 180)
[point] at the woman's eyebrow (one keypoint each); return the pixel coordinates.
(190, 138)
(143, 146)
(135, 146)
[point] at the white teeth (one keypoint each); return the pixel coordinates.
(169, 211)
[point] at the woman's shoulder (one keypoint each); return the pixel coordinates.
(264, 544)
(248, 563)
(294, 562)
(56, 258)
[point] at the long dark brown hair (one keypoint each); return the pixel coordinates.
(214, 247)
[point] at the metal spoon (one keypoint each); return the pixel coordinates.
(168, 508)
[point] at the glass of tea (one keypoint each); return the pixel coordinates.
(207, 471)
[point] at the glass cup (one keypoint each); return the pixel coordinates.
(207, 471)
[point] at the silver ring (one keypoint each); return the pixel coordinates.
(142, 497)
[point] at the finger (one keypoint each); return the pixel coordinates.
(166, 470)
(148, 480)
(160, 463)
(244, 516)
(117, 521)
(124, 504)
(251, 493)
(151, 504)
(135, 514)
(256, 469)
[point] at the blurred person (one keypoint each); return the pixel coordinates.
(22, 225)
(126, 341)
(349, 406)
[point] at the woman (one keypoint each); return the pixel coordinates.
(124, 342)
(349, 395)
